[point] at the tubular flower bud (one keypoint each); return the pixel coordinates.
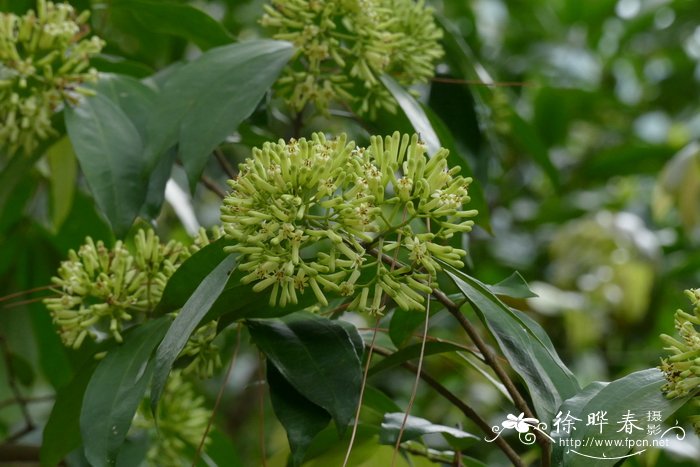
(101, 289)
(44, 60)
(344, 46)
(182, 421)
(324, 200)
(682, 367)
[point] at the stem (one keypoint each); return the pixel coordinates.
(26, 400)
(261, 408)
(213, 187)
(218, 398)
(491, 359)
(210, 184)
(225, 165)
(462, 406)
(298, 124)
(415, 383)
(25, 292)
(362, 393)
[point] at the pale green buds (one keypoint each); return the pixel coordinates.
(44, 60)
(182, 421)
(682, 368)
(304, 212)
(345, 46)
(102, 290)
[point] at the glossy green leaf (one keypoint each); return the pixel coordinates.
(412, 352)
(190, 274)
(137, 101)
(513, 286)
(415, 113)
(110, 152)
(524, 343)
(317, 357)
(132, 96)
(115, 391)
(64, 172)
(416, 427)
(239, 301)
(196, 307)
(637, 394)
(357, 343)
(204, 101)
(62, 431)
(403, 325)
(177, 19)
(301, 418)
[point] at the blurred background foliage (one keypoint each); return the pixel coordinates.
(579, 121)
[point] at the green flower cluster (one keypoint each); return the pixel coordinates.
(319, 214)
(182, 421)
(102, 291)
(344, 46)
(43, 62)
(682, 369)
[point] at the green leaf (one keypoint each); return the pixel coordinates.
(133, 97)
(204, 101)
(403, 325)
(199, 303)
(354, 336)
(524, 343)
(176, 19)
(137, 101)
(317, 357)
(62, 431)
(64, 172)
(416, 427)
(513, 286)
(436, 135)
(412, 352)
(301, 418)
(190, 274)
(109, 150)
(415, 113)
(239, 301)
(639, 393)
(115, 391)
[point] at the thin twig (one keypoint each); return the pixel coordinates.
(490, 358)
(25, 292)
(218, 398)
(224, 163)
(212, 186)
(362, 393)
(29, 301)
(26, 400)
(462, 406)
(12, 381)
(472, 350)
(261, 399)
(414, 391)
(298, 124)
(476, 82)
